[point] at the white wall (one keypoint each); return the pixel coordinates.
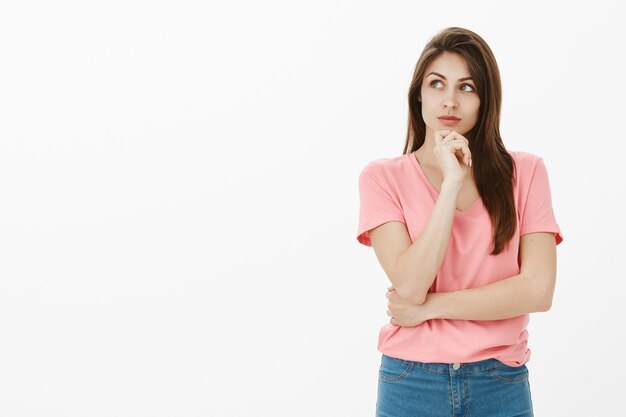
(178, 199)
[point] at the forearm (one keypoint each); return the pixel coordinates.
(510, 297)
(418, 266)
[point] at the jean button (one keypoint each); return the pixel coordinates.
(456, 366)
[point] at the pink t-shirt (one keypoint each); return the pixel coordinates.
(397, 189)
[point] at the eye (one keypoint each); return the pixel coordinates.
(463, 85)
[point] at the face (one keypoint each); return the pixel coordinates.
(449, 92)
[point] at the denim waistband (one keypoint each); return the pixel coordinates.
(459, 367)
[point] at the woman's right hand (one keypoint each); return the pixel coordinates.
(453, 154)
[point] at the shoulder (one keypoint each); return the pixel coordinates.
(525, 162)
(386, 168)
(531, 172)
(524, 157)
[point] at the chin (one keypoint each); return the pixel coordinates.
(440, 126)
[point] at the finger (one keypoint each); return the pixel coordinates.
(440, 134)
(450, 136)
(454, 135)
(455, 143)
(461, 149)
(467, 158)
(466, 154)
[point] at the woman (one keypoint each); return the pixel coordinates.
(465, 231)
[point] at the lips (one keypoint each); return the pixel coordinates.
(449, 121)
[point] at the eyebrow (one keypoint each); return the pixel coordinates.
(442, 76)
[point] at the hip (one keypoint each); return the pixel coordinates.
(486, 387)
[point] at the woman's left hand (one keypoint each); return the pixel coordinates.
(405, 313)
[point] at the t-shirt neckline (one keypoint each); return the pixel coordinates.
(422, 174)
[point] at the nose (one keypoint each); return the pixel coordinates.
(450, 100)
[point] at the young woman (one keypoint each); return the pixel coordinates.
(465, 231)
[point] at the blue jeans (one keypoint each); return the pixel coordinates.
(486, 388)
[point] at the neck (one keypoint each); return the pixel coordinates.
(426, 156)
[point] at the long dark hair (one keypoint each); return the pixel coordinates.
(493, 167)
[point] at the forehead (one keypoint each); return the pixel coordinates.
(452, 65)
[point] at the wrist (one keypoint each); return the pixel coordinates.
(452, 186)
(434, 303)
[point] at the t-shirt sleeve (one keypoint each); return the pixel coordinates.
(538, 215)
(377, 203)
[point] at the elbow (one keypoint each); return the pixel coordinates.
(410, 286)
(412, 296)
(542, 290)
(417, 299)
(545, 298)
(543, 301)
(545, 305)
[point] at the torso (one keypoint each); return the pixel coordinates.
(469, 193)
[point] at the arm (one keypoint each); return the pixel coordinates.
(529, 291)
(412, 267)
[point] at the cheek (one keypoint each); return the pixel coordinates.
(429, 103)
(474, 107)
